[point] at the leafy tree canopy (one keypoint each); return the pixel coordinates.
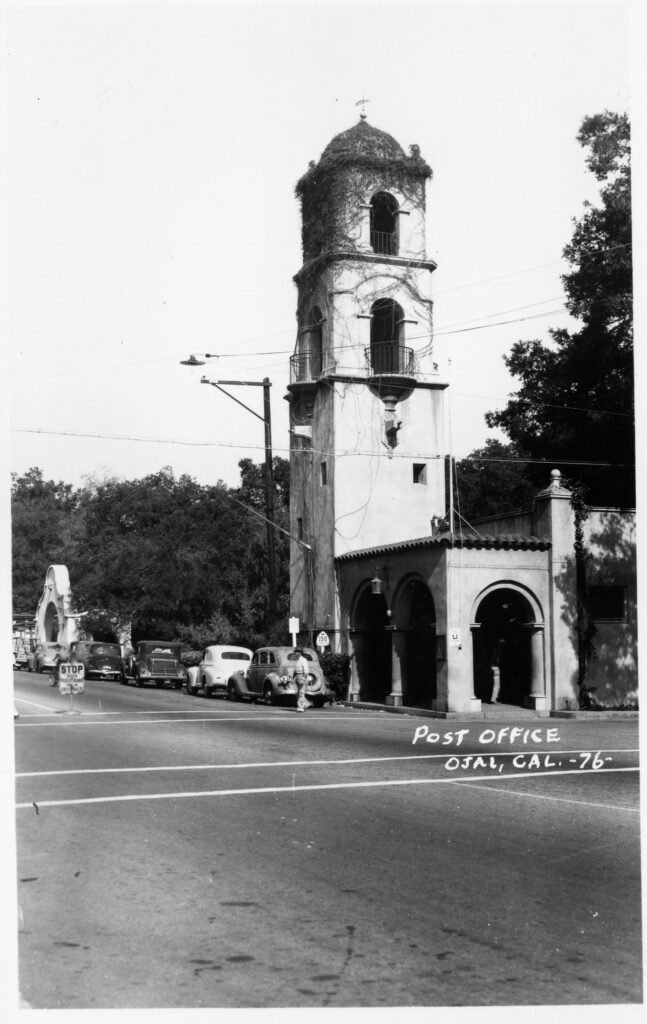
(576, 396)
(165, 555)
(491, 481)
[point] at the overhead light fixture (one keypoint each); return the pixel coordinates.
(192, 361)
(376, 585)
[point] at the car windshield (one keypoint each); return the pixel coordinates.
(113, 650)
(292, 656)
(234, 656)
(159, 650)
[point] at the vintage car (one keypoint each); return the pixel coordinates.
(46, 656)
(219, 662)
(99, 659)
(270, 678)
(20, 654)
(155, 661)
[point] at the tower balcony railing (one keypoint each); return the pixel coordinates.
(390, 357)
(384, 242)
(384, 357)
(306, 366)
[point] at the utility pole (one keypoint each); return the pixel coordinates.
(269, 470)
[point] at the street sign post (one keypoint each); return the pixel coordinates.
(71, 676)
(293, 628)
(322, 641)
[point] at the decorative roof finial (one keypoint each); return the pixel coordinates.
(362, 103)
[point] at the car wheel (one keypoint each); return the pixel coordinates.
(138, 681)
(178, 684)
(231, 690)
(268, 693)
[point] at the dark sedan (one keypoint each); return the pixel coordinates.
(99, 659)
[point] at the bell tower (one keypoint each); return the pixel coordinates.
(366, 399)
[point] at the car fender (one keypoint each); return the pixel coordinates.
(239, 680)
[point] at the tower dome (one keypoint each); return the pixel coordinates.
(363, 140)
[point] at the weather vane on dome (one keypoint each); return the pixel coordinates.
(362, 104)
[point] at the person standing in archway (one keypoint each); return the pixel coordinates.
(496, 662)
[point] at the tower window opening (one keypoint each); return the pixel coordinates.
(384, 224)
(387, 353)
(420, 472)
(300, 528)
(324, 473)
(309, 357)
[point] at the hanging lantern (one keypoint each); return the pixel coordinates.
(376, 585)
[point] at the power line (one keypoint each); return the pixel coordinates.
(317, 451)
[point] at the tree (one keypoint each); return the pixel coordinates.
(576, 398)
(157, 552)
(168, 557)
(42, 523)
(490, 481)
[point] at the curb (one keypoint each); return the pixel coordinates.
(595, 716)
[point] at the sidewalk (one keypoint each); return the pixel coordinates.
(493, 711)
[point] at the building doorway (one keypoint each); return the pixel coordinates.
(372, 647)
(501, 639)
(416, 613)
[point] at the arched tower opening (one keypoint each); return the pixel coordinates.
(387, 336)
(384, 224)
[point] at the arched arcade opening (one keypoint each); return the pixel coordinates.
(415, 639)
(371, 645)
(507, 647)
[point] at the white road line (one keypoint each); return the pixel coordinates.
(33, 704)
(130, 798)
(291, 717)
(559, 799)
(309, 763)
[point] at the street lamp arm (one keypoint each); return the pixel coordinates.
(204, 380)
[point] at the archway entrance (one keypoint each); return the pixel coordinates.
(416, 613)
(502, 637)
(372, 647)
(51, 622)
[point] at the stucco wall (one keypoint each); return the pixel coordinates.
(612, 670)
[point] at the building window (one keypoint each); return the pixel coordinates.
(387, 335)
(384, 224)
(300, 528)
(310, 359)
(324, 472)
(608, 603)
(420, 472)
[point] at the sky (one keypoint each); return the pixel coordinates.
(152, 153)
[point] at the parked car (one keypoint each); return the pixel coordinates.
(270, 677)
(20, 654)
(99, 659)
(218, 664)
(155, 661)
(46, 656)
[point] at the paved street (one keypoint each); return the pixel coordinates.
(181, 852)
